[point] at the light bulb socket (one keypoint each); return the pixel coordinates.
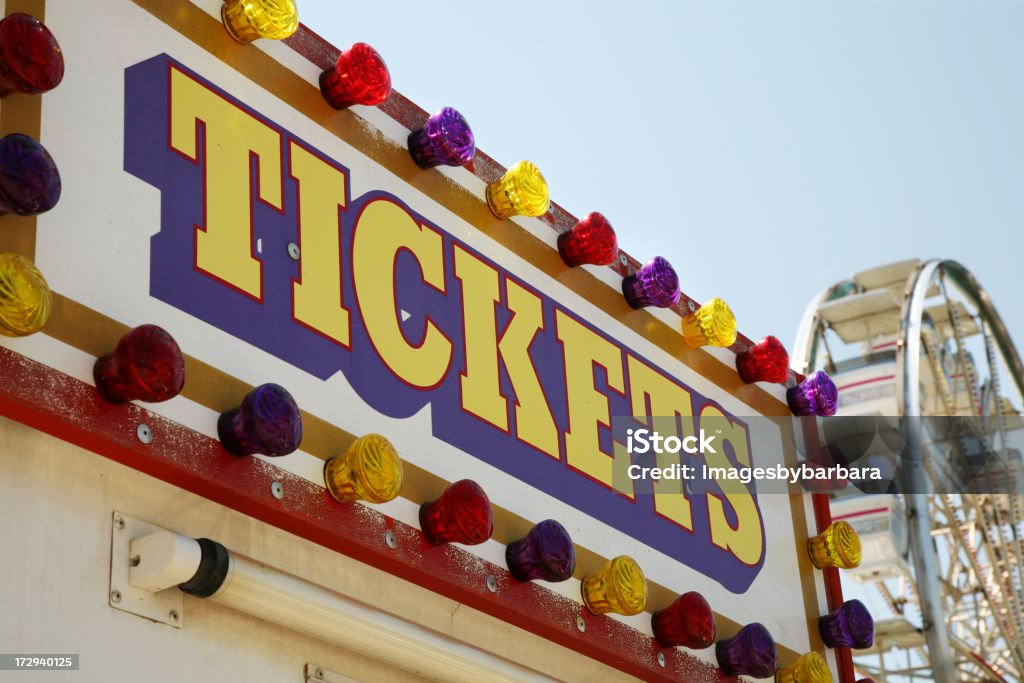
(29, 179)
(267, 422)
(444, 140)
(31, 61)
(655, 284)
(147, 365)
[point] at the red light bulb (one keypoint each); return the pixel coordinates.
(765, 361)
(462, 515)
(592, 240)
(146, 365)
(360, 76)
(30, 58)
(688, 621)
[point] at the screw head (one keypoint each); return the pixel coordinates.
(144, 433)
(389, 539)
(118, 522)
(492, 583)
(293, 251)
(661, 659)
(277, 489)
(319, 673)
(622, 259)
(173, 614)
(692, 306)
(580, 624)
(115, 596)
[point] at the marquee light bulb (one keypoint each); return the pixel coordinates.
(765, 361)
(816, 395)
(369, 470)
(267, 422)
(30, 58)
(619, 587)
(655, 284)
(849, 626)
(592, 240)
(522, 191)
(713, 324)
(750, 652)
(808, 668)
(546, 552)
(359, 76)
(247, 20)
(25, 298)
(29, 180)
(688, 622)
(146, 365)
(445, 139)
(837, 546)
(461, 515)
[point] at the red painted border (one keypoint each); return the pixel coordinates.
(833, 586)
(50, 401)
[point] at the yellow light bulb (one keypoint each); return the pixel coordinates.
(369, 470)
(25, 299)
(619, 587)
(522, 191)
(837, 546)
(808, 668)
(712, 324)
(247, 20)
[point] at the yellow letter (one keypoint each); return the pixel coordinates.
(534, 423)
(382, 231)
(224, 246)
(316, 295)
(671, 403)
(746, 539)
(481, 395)
(588, 408)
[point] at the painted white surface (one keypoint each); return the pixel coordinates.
(94, 248)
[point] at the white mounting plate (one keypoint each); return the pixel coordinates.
(164, 606)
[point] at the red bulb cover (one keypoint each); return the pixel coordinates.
(462, 515)
(30, 58)
(765, 361)
(688, 622)
(146, 365)
(592, 240)
(360, 76)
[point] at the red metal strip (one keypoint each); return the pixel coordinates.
(859, 513)
(50, 401)
(822, 518)
(865, 381)
(833, 587)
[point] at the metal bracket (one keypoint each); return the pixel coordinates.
(318, 674)
(163, 606)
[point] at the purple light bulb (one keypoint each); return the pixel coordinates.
(444, 139)
(268, 422)
(29, 180)
(546, 552)
(655, 284)
(849, 626)
(750, 652)
(816, 395)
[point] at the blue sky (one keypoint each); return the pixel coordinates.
(766, 149)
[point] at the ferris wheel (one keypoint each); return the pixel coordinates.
(924, 363)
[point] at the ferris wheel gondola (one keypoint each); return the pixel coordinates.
(920, 345)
